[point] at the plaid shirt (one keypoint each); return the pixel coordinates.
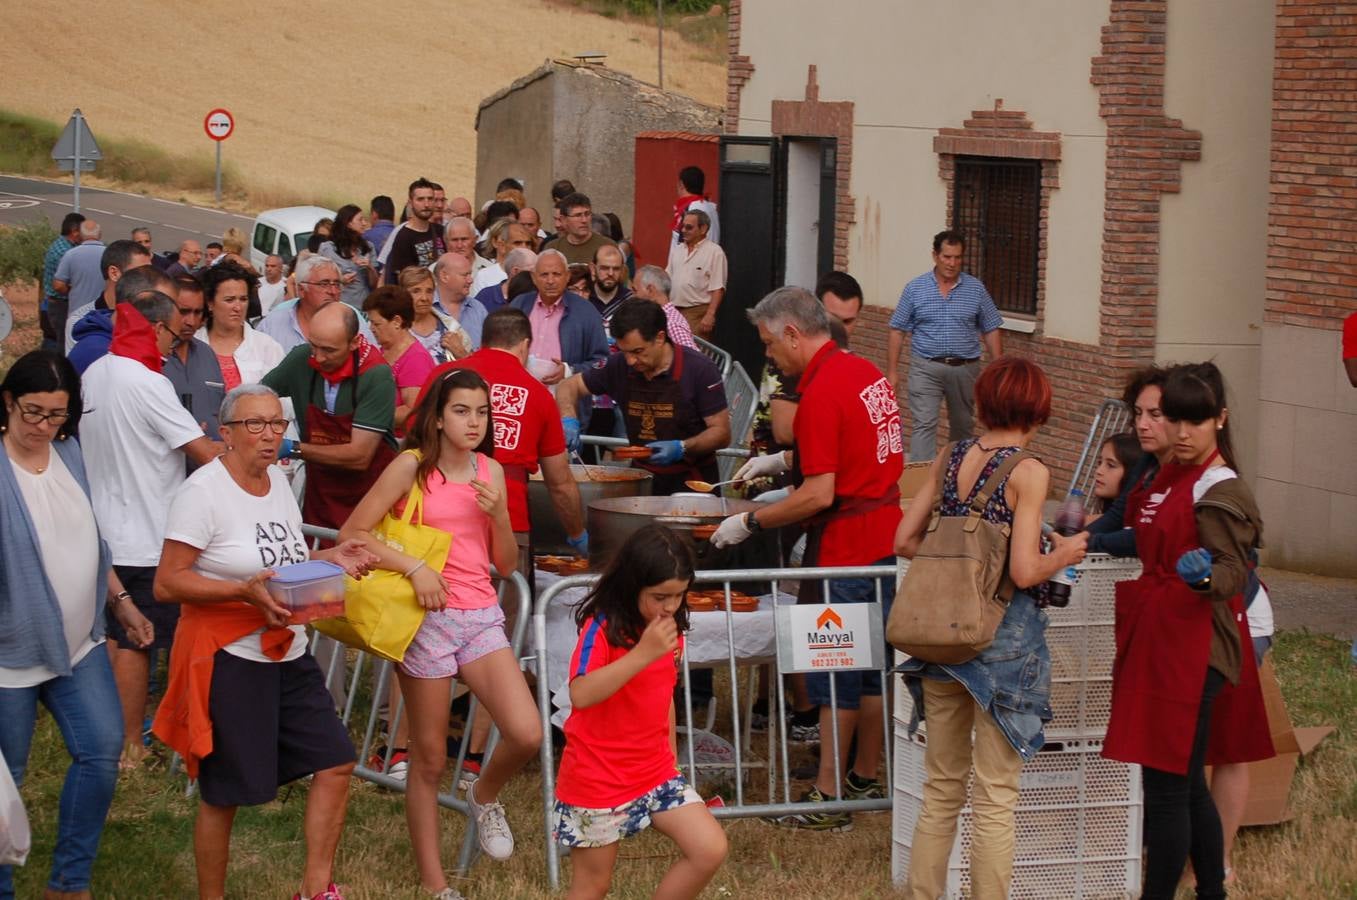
(945, 326)
(55, 251)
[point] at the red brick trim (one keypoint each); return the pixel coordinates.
(813, 117)
(1004, 133)
(1311, 276)
(738, 68)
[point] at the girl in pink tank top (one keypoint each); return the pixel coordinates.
(463, 630)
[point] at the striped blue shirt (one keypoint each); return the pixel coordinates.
(55, 251)
(945, 326)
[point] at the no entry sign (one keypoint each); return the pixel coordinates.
(218, 124)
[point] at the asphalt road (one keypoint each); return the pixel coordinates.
(22, 199)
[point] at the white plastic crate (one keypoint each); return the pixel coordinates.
(1077, 824)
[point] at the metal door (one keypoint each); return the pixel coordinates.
(751, 236)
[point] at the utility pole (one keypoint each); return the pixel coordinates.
(659, 26)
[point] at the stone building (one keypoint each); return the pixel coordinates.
(1141, 181)
(577, 120)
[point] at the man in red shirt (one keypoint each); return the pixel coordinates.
(847, 460)
(528, 430)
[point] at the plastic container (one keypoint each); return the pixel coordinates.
(312, 590)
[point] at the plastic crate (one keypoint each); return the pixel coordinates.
(1077, 824)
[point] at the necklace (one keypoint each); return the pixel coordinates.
(24, 464)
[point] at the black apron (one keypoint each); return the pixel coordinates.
(656, 410)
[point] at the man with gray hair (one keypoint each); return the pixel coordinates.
(848, 458)
(459, 236)
(318, 285)
(697, 267)
(451, 304)
(78, 276)
(519, 259)
(135, 439)
(652, 283)
(567, 332)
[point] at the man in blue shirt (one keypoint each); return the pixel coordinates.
(69, 237)
(949, 314)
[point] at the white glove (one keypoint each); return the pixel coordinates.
(761, 466)
(731, 532)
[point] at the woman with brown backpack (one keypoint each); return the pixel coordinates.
(1003, 692)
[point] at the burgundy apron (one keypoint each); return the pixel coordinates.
(331, 492)
(1163, 641)
(656, 410)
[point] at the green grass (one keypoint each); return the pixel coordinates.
(686, 18)
(26, 149)
(147, 846)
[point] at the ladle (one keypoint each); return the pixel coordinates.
(706, 487)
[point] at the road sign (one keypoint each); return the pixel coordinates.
(219, 124)
(76, 150)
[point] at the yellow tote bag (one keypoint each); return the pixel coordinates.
(381, 614)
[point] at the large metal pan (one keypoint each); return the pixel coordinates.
(595, 483)
(612, 521)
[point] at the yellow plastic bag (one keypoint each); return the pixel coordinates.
(381, 613)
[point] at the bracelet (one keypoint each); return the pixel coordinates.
(417, 566)
(121, 596)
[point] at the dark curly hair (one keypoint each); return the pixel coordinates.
(652, 555)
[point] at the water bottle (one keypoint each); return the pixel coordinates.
(1069, 520)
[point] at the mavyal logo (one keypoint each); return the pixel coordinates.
(829, 632)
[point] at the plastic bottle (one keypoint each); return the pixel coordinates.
(1069, 520)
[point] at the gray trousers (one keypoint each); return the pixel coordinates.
(929, 384)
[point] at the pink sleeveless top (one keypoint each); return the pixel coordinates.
(452, 507)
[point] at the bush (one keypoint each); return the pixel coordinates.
(22, 248)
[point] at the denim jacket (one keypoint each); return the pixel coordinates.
(1011, 679)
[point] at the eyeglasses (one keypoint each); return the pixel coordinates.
(326, 285)
(33, 415)
(256, 426)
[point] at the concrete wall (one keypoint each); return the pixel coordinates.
(914, 68)
(1213, 243)
(578, 122)
(514, 138)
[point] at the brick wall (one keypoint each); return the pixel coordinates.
(1312, 239)
(738, 68)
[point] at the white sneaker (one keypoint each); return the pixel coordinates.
(448, 893)
(492, 829)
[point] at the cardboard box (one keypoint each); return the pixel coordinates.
(1270, 780)
(914, 477)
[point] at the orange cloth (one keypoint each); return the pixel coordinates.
(183, 722)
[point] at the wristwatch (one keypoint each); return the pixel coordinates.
(752, 523)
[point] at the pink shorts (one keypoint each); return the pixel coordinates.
(452, 638)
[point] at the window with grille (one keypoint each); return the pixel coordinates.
(997, 206)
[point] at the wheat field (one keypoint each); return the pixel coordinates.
(345, 100)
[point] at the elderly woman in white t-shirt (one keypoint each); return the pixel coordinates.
(56, 579)
(230, 525)
(245, 355)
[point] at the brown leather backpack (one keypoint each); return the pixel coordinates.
(956, 590)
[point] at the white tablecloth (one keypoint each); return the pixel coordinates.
(708, 639)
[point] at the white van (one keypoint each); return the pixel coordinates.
(284, 231)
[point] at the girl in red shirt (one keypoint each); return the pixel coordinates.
(619, 773)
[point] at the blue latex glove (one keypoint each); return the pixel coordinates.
(572, 433)
(580, 544)
(665, 453)
(1194, 566)
(285, 448)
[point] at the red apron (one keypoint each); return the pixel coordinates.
(332, 493)
(1163, 637)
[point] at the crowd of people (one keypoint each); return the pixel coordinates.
(189, 413)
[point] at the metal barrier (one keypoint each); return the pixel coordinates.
(339, 657)
(777, 761)
(1113, 417)
(742, 397)
(722, 359)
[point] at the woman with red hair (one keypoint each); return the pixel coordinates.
(1003, 695)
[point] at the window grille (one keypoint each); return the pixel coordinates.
(997, 206)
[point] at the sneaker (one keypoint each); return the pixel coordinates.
(804, 734)
(471, 770)
(331, 892)
(857, 788)
(400, 764)
(448, 893)
(492, 829)
(815, 821)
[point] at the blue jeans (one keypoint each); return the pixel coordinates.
(850, 687)
(85, 707)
